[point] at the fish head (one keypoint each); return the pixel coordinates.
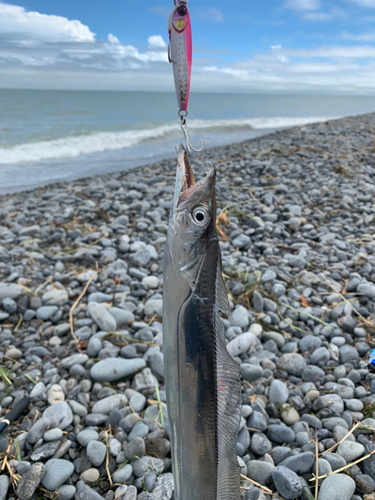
(192, 224)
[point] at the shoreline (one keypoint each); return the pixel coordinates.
(112, 165)
(158, 161)
(81, 329)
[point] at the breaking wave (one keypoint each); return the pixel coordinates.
(73, 146)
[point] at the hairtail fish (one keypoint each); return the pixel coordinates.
(202, 380)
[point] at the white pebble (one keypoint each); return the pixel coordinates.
(55, 394)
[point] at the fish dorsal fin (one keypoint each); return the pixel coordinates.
(221, 303)
(229, 403)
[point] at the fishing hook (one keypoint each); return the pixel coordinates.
(189, 147)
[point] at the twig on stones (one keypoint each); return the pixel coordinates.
(107, 457)
(307, 314)
(160, 406)
(343, 439)
(19, 323)
(75, 305)
(264, 488)
(364, 320)
(48, 280)
(129, 339)
(28, 290)
(316, 466)
(346, 466)
(253, 197)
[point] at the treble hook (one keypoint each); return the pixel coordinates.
(189, 147)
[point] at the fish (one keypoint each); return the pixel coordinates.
(180, 52)
(203, 387)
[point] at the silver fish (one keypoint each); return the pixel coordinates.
(202, 380)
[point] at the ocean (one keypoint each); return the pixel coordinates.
(48, 136)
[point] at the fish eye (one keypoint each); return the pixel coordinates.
(200, 216)
(182, 10)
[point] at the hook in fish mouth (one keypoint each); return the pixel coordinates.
(185, 181)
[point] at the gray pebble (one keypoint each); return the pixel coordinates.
(66, 492)
(279, 392)
(280, 434)
(111, 369)
(102, 317)
(4, 480)
(59, 414)
(337, 487)
(251, 372)
(58, 471)
(87, 435)
(259, 471)
(287, 482)
(96, 452)
(122, 475)
(350, 451)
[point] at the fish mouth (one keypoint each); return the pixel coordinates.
(185, 181)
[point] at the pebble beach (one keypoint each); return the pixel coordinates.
(81, 329)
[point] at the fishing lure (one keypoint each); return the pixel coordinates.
(180, 53)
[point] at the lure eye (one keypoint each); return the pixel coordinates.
(182, 10)
(200, 216)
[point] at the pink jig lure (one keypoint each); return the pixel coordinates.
(180, 52)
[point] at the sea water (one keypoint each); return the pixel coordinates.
(48, 136)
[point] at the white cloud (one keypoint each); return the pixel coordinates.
(112, 55)
(279, 57)
(210, 14)
(113, 38)
(309, 10)
(368, 36)
(67, 55)
(31, 39)
(317, 16)
(335, 52)
(365, 3)
(156, 41)
(17, 24)
(161, 10)
(282, 58)
(302, 4)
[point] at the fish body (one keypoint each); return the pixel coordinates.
(180, 51)
(202, 380)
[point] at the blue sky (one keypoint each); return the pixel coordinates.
(305, 46)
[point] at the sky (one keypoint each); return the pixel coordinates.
(269, 46)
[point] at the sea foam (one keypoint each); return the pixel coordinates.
(73, 146)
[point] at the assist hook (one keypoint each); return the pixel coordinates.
(189, 147)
